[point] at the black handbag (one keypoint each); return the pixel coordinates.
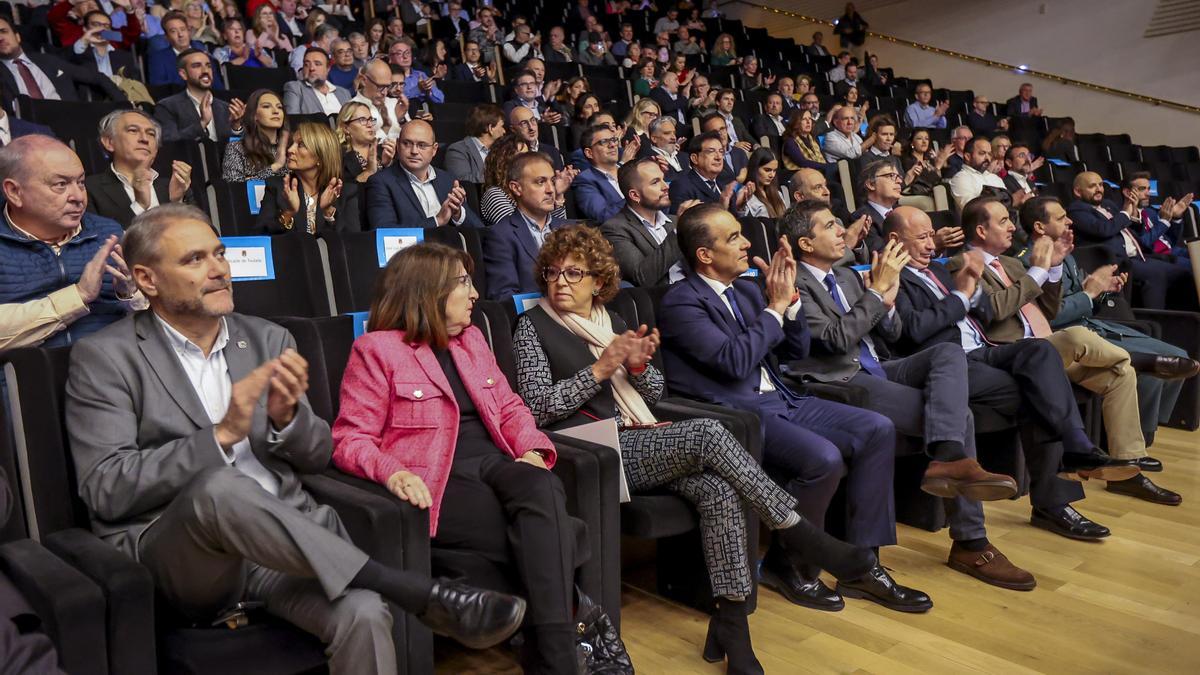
(601, 651)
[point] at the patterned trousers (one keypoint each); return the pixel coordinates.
(701, 461)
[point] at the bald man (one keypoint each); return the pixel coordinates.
(411, 192)
(373, 83)
(1097, 220)
(1025, 376)
(61, 272)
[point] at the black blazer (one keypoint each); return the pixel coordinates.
(181, 122)
(928, 321)
(1012, 107)
(643, 261)
(462, 72)
(66, 78)
(107, 196)
(763, 126)
(122, 63)
(689, 185)
(274, 202)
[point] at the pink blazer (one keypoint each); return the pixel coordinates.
(398, 412)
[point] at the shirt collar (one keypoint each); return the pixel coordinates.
(125, 181)
(818, 273)
(418, 181)
(987, 257)
(181, 344)
(6, 127)
(56, 244)
(718, 287)
(660, 219)
(533, 225)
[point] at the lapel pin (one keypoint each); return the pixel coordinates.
(241, 344)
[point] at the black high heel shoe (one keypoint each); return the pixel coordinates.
(729, 639)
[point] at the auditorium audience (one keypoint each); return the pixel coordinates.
(130, 184)
(267, 35)
(1024, 104)
(166, 65)
(800, 146)
(527, 95)
(880, 184)
(373, 85)
(1161, 232)
(724, 52)
(523, 122)
(883, 129)
(1060, 142)
(929, 163)
(473, 68)
(362, 153)
(94, 52)
(704, 182)
(237, 51)
(843, 141)
(922, 115)
(771, 123)
(313, 197)
(637, 122)
(411, 192)
(959, 138)
(418, 86)
(260, 151)
(511, 248)
(769, 200)
(672, 97)
(1019, 165)
(195, 114)
(314, 94)
(981, 120)
(838, 72)
(45, 76)
(736, 132)
(465, 158)
(976, 177)
(642, 235)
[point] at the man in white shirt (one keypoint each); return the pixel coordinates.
(642, 234)
(315, 94)
(838, 73)
(843, 141)
(1020, 166)
(523, 46)
(664, 144)
(771, 122)
(130, 185)
(976, 173)
(374, 83)
(411, 193)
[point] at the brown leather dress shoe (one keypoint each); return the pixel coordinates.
(1175, 367)
(991, 567)
(966, 478)
(1143, 488)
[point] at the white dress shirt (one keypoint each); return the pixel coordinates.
(428, 196)
(671, 157)
(820, 274)
(210, 379)
(134, 204)
(733, 137)
(211, 129)
(968, 184)
(658, 230)
(5, 130)
(764, 382)
(329, 101)
(39, 76)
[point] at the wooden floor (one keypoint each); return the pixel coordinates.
(1130, 604)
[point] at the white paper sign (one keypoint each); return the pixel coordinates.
(249, 262)
(393, 245)
(602, 432)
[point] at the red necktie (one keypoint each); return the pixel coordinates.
(1038, 324)
(970, 319)
(31, 85)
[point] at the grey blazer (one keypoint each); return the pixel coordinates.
(139, 433)
(836, 336)
(463, 161)
(643, 262)
(300, 99)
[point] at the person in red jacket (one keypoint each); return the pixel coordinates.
(426, 411)
(66, 18)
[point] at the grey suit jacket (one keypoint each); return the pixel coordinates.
(300, 99)
(139, 433)
(463, 161)
(643, 261)
(836, 336)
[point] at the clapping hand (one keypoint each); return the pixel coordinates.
(563, 179)
(237, 108)
(181, 180)
(107, 259)
(886, 266)
(1173, 209)
(948, 237)
(291, 192)
(330, 194)
(643, 345)
(452, 207)
(780, 276)
(289, 381)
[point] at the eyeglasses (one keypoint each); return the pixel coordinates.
(464, 280)
(365, 121)
(401, 52)
(419, 145)
(712, 151)
(609, 142)
(573, 275)
(892, 175)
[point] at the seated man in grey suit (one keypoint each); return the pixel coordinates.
(130, 185)
(642, 234)
(315, 94)
(189, 429)
(925, 395)
(465, 157)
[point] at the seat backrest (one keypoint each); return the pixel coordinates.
(636, 306)
(325, 343)
(249, 77)
(353, 267)
(298, 288)
(491, 318)
(36, 380)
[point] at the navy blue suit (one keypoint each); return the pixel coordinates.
(710, 355)
(163, 70)
(509, 253)
(18, 127)
(391, 201)
(595, 197)
(689, 185)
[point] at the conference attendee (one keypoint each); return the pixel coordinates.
(597, 192)
(686, 43)
(843, 141)
(46, 76)
(164, 64)
(851, 29)
(411, 192)
(621, 47)
(879, 183)
(373, 85)
(204, 432)
(418, 86)
(703, 99)
(928, 164)
(524, 45)
(593, 51)
(195, 114)
(558, 50)
(750, 77)
(92, 51)
(1097, 220)
(641, 233)
(268, 33)
(786, 87)
(735, 128)
(925, 395)
(472, 68)
(702, 181)
(314, 94)
(1022, 304)
(236, 51)
(1161, 367)
(69, 22)
(568, 94)
(1019, 165)
(1060, 142)
(15, 127)
(771, 123)
(817, 47)
(724, 52)
(769, 199)
(344, 66)
(734, 157)
(882, 128)
(577, 361)
(260, 153)
(838, 72)
(1024, 104)
(664, 146)
(841, 89)
(672, 99)
(1160, 231)
(810, 184)
(922, 115)
(313, 197)
(1025, 376)
(64, 275)
(959, 137)
(981, 120)
(801, 150)
(486, 33)
(322, 36)
(511, 248)
(976, 177)
(527, 95)
(130, 185)
(465, 158)
(523, 122)
(1001, 144)
(362, 153)
(721, 339)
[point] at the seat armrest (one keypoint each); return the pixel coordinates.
(1181, 329)
(129, 589)
(70, 605)
(1148, 327)
(388, 529)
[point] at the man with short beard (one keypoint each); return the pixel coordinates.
(315, 94)
(194, 114)
(642, 234)
(1020, 165)
(976, 177)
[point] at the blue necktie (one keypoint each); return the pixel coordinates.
(737, 312)
(865, 358)
(775, 380)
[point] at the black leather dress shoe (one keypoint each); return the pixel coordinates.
(1077, 466)
(1148, 464)
(1143, 488)
(1068, 522)
(879, 587)
(475, 617)
(1175, 367)
(806, 592)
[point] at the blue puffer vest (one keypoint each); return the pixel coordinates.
(30, 270)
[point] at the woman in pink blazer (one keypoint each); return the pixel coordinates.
(426, 411)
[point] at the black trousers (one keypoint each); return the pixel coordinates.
(1155, 280)
(1026, 378)
(514, 515)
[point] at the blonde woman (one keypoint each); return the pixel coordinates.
(362, 152)
(312, 198)
(724, 52)
(637, 122)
